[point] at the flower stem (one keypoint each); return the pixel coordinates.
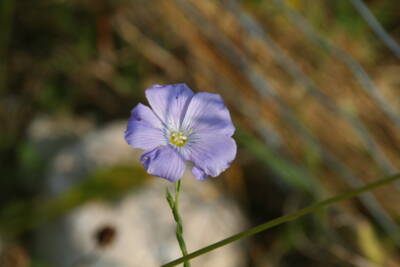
(284, 219)
(174, 205)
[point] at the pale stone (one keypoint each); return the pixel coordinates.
(145, 229)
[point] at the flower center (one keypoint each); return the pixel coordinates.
(178, 138)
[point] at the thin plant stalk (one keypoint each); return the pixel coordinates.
(174, 205)
(286, 218)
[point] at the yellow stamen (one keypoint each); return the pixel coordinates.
(178, 138)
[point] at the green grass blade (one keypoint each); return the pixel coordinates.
(284, 219)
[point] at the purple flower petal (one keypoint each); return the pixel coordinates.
(180, 127)
(198, 173)
(144, 129)
(211, 153)
(169, 102)
(164, 162)
(208, 113)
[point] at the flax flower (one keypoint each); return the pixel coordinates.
(182, 127)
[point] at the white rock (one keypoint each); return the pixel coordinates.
(145, 229)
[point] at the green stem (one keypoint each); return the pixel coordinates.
(174, 204)
(283, 219)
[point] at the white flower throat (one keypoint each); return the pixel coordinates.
(178, 138)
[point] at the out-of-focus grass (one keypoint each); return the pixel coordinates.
(294, 176)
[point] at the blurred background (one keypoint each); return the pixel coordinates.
(313, 88)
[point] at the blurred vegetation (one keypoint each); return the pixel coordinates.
(93, 59)
(103, 184)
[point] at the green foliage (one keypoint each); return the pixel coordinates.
(293, 175)
(349, 19)
(104, 184)
(38, 263)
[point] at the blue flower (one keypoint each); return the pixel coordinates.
(182, 127)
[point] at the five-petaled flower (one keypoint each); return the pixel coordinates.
(182, 126)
